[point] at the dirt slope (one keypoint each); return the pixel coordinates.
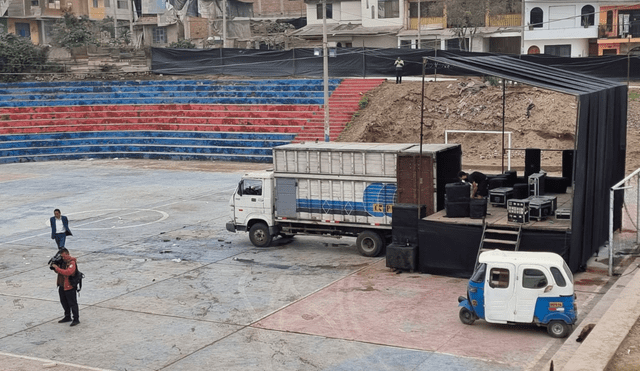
(537, 118)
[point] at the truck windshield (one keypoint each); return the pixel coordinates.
(479, 273)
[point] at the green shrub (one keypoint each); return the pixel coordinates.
(18, 55)
(182, 44)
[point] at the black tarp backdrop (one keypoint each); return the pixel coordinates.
(600, 142)
(357, 62)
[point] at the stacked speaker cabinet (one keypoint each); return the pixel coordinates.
(531, 161)
(457, 199)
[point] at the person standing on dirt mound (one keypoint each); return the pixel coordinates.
(399, 65)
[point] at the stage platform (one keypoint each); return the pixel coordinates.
(497, 216)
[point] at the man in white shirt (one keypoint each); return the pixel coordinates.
(59, 228)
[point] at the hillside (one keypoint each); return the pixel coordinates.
(537, 118)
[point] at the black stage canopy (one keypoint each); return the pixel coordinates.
(600, 140)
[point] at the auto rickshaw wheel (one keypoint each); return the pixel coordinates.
(466, 316)
(558, 329)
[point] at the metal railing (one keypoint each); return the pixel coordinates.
(624, 240)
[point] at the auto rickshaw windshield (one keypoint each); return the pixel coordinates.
(479, 273)
(567, 271)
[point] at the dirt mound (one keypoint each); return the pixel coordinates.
(537, 118)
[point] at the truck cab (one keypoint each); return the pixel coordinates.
(252, 208)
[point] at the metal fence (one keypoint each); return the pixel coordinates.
(626, 239)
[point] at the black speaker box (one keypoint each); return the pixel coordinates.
(555, 185)
(520, 190)
(402, 257)
(512, 176)
(531, 161)
(407, 214)
(403, 235)
(567, 163)
(456, 192)
(497, 182)
(478, 208)
(457, 209)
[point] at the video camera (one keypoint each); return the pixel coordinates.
(57, 260)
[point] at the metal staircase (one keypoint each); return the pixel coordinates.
(499, 237)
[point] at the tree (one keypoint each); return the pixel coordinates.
(464, 17)
(19, 55)
(70, 31)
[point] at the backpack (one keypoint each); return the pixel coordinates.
(75, 279)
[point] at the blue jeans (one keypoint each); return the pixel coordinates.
(60, 238)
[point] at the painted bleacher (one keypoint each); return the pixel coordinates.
(175, 119)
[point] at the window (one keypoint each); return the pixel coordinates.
(35, 3)
(159, 35)
(558, 50)
(499, 278)
(251, 187)
(588, 14)
(478, 275)
(123, 4)
(609, 20)
(458, 44)
(95, 3)
(329, 11)
(23, 30)
(534, 279)
(558, 277)
(388, 9)
(107, 4)
(536, 17)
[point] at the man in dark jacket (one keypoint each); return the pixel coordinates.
(479, 183)
(59, 228)
(67, 292)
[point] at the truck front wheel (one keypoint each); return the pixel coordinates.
(369, 243)
(259, 235)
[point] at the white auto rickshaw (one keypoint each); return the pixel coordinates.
(521, 287)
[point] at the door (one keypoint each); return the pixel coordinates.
(499, 292)
(286, 198)
(249, 199)
(532, 280)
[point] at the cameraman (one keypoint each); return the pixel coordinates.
(67, 292)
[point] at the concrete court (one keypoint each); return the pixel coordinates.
(168, 288)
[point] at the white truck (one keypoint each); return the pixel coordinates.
(341, 189)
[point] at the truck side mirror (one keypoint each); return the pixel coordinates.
(240, 188)
(548, 288)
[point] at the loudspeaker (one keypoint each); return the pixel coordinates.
(457, 209)
(405, 235)
(402, 257)
(531, 161)
(520, 190)
(478, 208)
(406, 215)
(497, 182)
(457, 192)
(567, 163)
(512, 176)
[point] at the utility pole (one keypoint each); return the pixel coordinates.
(419, 22)
(325, 70)
(224, 23)
(115, 19)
